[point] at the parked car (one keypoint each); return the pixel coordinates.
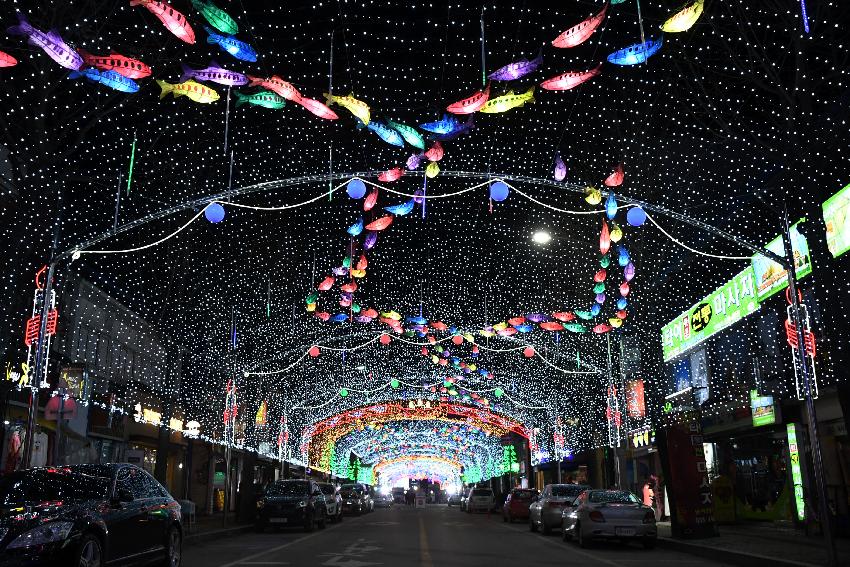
(454, 500)
(383, 501)
(610, 514)
(545, 511)
(292, 503)
(398, 495)
(333, 501)
(517, 503)
(87, 516)
(353, 501)
(368, 503)
(479, 499)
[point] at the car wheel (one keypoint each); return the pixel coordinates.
(532, 525)
(547, 529)
(173, 548)
(649, 543)
(582, 541)
(89, 553)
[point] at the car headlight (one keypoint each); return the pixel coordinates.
(302, 503)
(261, 504)
(47, 533)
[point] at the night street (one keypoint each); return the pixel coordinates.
(434, 536)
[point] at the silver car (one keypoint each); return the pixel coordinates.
(545, 511)
(610, 514)
(479, 499)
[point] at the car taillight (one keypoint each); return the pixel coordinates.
(596, 516)
(649, 518)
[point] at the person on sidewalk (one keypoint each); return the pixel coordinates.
(648, 492)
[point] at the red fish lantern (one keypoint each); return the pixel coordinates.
(391, 174)
(435, 152)
(370, 200)
(323, 315)
(580, 32)
(551, 326)
(604, 238)
(516, 321)
(602, 328)
(350, 287)
(326, 284)
(599, 277)
(380, 224)
(362, 263)
(317, 108)
(564, 316)
(616, 178)
(471, 104)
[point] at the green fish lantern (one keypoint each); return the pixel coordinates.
(217, 18)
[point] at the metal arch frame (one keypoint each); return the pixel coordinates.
(330, 177)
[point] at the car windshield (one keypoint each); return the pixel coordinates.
(568, 490)
(523, 495)
(287, 489)
(482, 493)
(52, 485)
(327, 488)
(600, 496)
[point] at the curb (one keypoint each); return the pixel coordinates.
(201, 537)
(729, 556)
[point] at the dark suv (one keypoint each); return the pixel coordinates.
(292, 503)
(87, 516)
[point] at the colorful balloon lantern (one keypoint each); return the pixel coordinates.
(636, 216)
(356, 189)
(498, 392)
(528, 352)
(394, 383)
(623, 258)
(343, 393)
(314, 351)
(595, 309)
(214, 213)
(616, 232)
(499, 191)
(385, 339)
(622, 303)
(629, 272)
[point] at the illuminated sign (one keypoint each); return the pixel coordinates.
(770, 276)
(837, 222)
(796, 471)
(762, 408)
(635, 401)
(21, 378)
(727, 305)
(193, 429)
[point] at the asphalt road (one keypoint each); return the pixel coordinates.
(434, 536)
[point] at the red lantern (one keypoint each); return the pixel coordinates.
(600, 276)
(443, 362)
(424, 351)
(314, 351)
(457, 339)
(431, 339)
(604, 238)
(528, 352)
(385, 339)
(624, 289)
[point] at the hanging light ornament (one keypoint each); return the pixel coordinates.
(314, 351)
(616, 232)
(380, 224)
(623, 258)
(684, 19)
(629, 272)
(214, 213)
(611, 206)
(616, 178)
(592, 195)
(356, 189)
(601, 328)
(580, 32)
(638, 53)
(560, 168)
(528, 352)
(622, 303)
(636, 216)
(604, 238)
(499, 191)
(432, 170)
(624, 289)
(595, 309)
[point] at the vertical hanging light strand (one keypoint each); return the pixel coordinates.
(330, 92)
(805, 15)
(226, 120)
(132, 163)
(483, 52)
(640, 23)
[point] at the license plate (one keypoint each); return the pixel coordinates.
(624, 531)
(277, 520)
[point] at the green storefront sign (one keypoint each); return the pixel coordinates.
(836, 217)
(770, 276)
(726, 306)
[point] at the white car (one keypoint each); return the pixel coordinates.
(479, 499)
(609, 514)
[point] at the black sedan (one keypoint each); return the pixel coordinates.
(87, 516)
(292, 503)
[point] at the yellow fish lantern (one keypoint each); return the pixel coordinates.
(616, 234)
(469, 338)
(500, 326)
(592, 195)
(507, 102)
(191, 89)
(356, 107)
(684, 19)
(311, 307)
(432, 170)
(358, 273)
(615, 322)
(435, 359)
(486, 334)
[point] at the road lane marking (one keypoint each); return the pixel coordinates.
(424, 553)
(561, 545)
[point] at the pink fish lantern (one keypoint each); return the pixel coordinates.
(629, 272)
(391, 174)
(624, 289)
(370, 200)
(323, 315)
(435, 153)
(345, 301)
(317, 108)
(602, 328)
(616, 178)
(604, 238)
(414, 161)
(570, 80)
(326, 284)
(380, 224)
(560, 168)
(471, 104)
(580, 32)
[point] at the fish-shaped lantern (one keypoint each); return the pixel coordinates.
(356, 107)
(277, 85)
(432, 170)
(326, 284)
(471, 104)
(461, 129)
(564, 316)
(237, 48)
(560, 168)
(638, 53)
(51, 43)
(355, 229)
(611, 207)
(319, 109)
(372, 198)
(601, 328)
(508, 102)
(370, 240)
(684, 19)
(130, 68)
(444, 126)
(570, 80)
(195, 91)
(7, 60)
(580, 32)
(391, 174)
(217, 18)
(266, 99)
(592, 195)
(402, 209)
(173, 20)
(551, 326)
(435, 152)
(517, 69)
(380, 224)
(214, 74)
(604, 239)
(110, 79)
(616, 178)
(409, 133)
(384, 132)
(575, 327)
(414, 160)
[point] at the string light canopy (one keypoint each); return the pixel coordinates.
(699, 123)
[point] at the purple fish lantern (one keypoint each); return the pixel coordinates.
(370, 240)
(560, 168)
(341, 271)
(414, 160)
(517, 69)
(363, 319)
(600, 298)
(419, 197)
(51, 43)
(629, 272)
(537, 317)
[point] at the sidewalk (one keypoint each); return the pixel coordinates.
(207, 528)
(758, 544)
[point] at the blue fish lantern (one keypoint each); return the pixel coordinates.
(445, 126)
(611, 206)
(624, 258)
(595, 309)
(622, 303)
(638, 53)
(239, 49)
(339, 318)
(524, 328)
(418, 320)
(402, 209)
(111, 79)
(356, 228)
